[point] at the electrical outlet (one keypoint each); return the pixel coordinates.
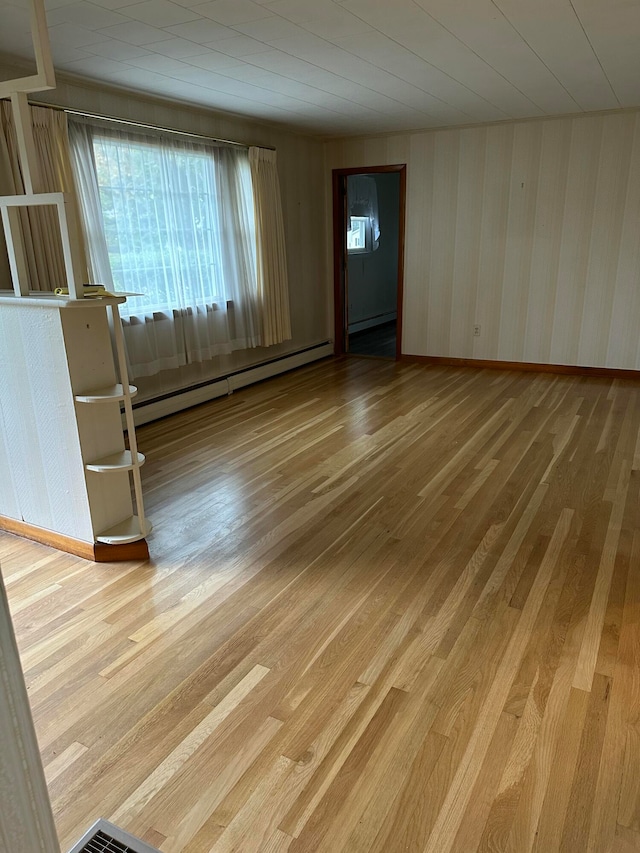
(476, 330)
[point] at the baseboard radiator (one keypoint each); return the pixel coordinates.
(104, 837)
(220, 387)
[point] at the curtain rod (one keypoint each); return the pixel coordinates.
(143, 126)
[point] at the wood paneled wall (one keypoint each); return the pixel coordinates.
(530, 229)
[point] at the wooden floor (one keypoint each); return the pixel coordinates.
(391, 608)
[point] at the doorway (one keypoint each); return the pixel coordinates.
(368, 223)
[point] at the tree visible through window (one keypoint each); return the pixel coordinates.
(161, 210)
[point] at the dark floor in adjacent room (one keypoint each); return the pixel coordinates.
(378, 341)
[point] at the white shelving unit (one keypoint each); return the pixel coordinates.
(67, 468)
(111, 394)
(123, 533)
(116, 462)
(122, 462)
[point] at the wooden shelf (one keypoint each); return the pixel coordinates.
(116, 462)
(126, 531)
(106, 395)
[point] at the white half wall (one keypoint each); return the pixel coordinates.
(530, 229)
(41, 467)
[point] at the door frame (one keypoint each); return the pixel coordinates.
(340, 274)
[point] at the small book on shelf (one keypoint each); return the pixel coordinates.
(89, 291)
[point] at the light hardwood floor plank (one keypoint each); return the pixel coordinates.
(390, 607)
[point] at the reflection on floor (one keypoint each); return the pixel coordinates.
(391, 607)
(379, 341)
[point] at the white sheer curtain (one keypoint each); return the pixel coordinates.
(173, 220)
(273, 285)
(40, 230)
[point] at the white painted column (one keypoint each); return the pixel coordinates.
(26, 820)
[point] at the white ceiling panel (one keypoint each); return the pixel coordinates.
(270, 29)
(160, 64)
(176, 48)
(553, 31)
(301, 91)
(106, 4)
(323, 17)
(480, 26)
(201, 32)
(239, 46)
(415, 29)
(159, 13)
(134, 32)
(138, 78)
(72, 36)
(232, 12)
(386, 53)
(85, 15)
(288, 65)
(92, 66)
(355, 66)
(120, 50)
(214, 60)
(63, 53)
(612, 29)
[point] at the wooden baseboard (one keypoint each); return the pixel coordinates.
(127, 551)
(96, 552)
(481, 363)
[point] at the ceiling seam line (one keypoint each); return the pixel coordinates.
(475, 53)
(535, 52)
(586, 35)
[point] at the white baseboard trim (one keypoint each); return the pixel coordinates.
(361, 325)
(155, 409)
(272, 368)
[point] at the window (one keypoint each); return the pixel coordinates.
(175, 220)
(363, 228)
(165, 229)
(359, 234)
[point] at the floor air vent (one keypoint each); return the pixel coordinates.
(104, 837)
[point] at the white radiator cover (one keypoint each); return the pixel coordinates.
(226, 385)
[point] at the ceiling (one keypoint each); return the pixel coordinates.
(337, 67)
